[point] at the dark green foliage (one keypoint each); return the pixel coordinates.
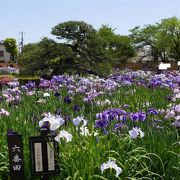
(42, 58)
(117, 47)
(11, 47)
(83, 50)
(24, 80)
(85, 43)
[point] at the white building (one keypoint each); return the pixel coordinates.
(4, 55)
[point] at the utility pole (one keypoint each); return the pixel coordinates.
(21, 44)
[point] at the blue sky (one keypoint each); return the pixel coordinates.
(37, 17)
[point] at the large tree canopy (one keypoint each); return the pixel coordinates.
(92, 47)
(78, 35)
(75, 32)
(44, 57)
(170, 28)
(84, 41)
(162, 38)
(82, 49)
(118, 48)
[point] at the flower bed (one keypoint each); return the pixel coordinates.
(122, 127)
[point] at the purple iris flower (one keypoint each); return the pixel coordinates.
(139, 116)
(105, 132)
(67, 100)
(56, 94)
(24, 87)
(31, 85)
(46, 126)
(11, 132)
(142, 116)
(103, 116)
(101, 124)
(44, 83)
(76, 108)
(109, 115)
(168, 98)
(118, 126)
(67, 118)
(177, 79)
(122, 118)
(154, 83)
(59, 80)
(152, 111)
(135, 117)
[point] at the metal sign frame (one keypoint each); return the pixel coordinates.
(43, 157)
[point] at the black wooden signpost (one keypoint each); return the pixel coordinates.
(16, 164)
(43, 154)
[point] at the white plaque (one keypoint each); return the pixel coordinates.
(38, 157)
(50, 154)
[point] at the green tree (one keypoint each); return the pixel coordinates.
(169, 30)
(117, 47)
(44, 57)
(85, 43)
(145, 38)
(11, 47)
(162, 38)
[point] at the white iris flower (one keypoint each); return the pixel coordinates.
(55, 121)
(63, 134)
(135, 132)
(78, 120)
(112, 165)
(46, 94)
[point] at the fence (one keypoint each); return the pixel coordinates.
(153, 66)
(5, 65)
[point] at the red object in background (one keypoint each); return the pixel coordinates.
(5, 79)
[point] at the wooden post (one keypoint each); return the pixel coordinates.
(44, 133)
(16, 160)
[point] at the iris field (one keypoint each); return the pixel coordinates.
(123, 127)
